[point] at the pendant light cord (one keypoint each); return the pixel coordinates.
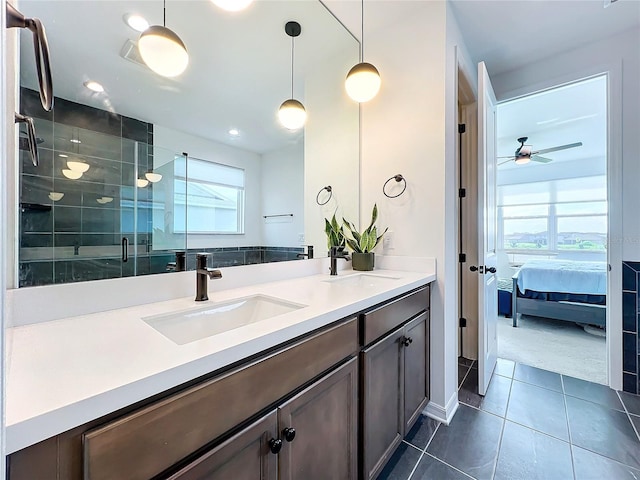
(362, 31)
(164, 13)
(292, 46)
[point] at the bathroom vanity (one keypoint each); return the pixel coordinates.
(324, 391)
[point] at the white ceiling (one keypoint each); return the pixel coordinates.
(239, 71)
(509, 34)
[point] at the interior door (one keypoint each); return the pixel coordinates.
(488, 282)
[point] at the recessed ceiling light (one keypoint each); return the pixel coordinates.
(94, 86)
(232, 5)
(62, 155)
(234, 132)
(137, 22)
(75, 140)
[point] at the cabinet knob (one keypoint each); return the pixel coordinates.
(275, 445)
(406, 341)
(289, 434)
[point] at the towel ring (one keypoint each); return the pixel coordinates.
(328, 189)
(397, 178)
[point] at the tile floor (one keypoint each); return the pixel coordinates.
(532, 425)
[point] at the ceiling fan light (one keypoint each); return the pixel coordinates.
(153, 177)
(363, 82)
(523, 160)
(163, 51)
(71, 175)
(78, 166)
(292, 114)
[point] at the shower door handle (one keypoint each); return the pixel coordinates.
(32, 140)
(125, 249)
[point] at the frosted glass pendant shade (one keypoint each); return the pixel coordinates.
(363, 82)
(78, 166)
(55, 196)
(163, 51)
(292, 114)
(153, 177)
(72, 175)
(142, 182)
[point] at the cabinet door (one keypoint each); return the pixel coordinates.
(325, 419)
(382, 402)
(245, 456)
(416, 368)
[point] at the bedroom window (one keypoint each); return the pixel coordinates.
(214, 195)
(525, 227)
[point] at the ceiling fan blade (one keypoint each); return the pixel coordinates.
(539, 159)
(507, 156)
(555, 149)
(511, 159)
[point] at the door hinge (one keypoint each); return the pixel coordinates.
(462, 192)
(463, 322)
(462, 257)
(462, 128)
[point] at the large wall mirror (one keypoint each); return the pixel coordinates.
(143, 166)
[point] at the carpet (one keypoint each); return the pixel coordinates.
(561, 347)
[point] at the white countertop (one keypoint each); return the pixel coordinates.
(63, 373)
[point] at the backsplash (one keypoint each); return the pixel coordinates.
(630, 334)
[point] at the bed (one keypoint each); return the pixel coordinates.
(566, 290)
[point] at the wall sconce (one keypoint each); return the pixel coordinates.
(292, 114)
(162, 49)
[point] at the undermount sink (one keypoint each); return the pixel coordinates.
(187, 326)
(363, 280)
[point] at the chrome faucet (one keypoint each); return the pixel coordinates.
(336, 253)
(202, 274)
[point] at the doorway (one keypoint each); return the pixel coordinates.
(552, 224)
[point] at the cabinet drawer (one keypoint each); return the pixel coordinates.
(147, 442)
(382, 320)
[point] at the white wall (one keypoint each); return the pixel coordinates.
(331, 155)
(198, 147)
(282, 193)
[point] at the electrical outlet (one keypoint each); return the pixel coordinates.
(301, 237)
(387, 241)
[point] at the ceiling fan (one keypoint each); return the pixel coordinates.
(524, 153)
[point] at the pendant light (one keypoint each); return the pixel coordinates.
(292, 114)
(363, 80)
(162, 50)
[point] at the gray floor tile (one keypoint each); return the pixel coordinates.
(469, 443)
(603, 431)
(505, 367)
(465, 361)
(462, 372)
(632, 402)
(593, 392)
(527, 454)
(497, 397)
(538, 408)
(590, 466)
(422, 431)
(401, 463)
(536, 376)
(430, 468)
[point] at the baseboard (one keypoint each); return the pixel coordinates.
(440, 413)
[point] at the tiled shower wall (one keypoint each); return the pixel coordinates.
(77, 238)
(630, 324)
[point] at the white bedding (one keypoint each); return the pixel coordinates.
(563, 276)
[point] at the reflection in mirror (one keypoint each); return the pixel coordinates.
(244, 188)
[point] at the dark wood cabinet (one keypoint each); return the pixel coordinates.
(324, 418)
(416, 368)
(382, 402)
(395, 378)
(245, 456)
